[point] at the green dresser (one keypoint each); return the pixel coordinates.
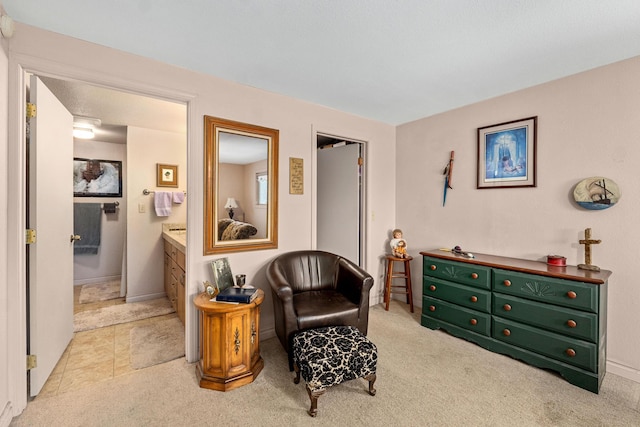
(548, 316)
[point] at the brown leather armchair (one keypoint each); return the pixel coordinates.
(312, 289)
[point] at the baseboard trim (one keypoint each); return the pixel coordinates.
(93, 280)
(267, 333)
(623, 371)
(146, 297)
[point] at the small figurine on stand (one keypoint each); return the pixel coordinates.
(398, 245)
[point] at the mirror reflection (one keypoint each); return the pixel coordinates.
(240, 186)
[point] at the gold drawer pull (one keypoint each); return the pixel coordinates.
(473, 322)
(570, 352)
(506, 332)
(432, 288)
(432, 267)
(474, 275)
(506, 307)
(432, 308)
(507, 282)
(474, 298)
(571, 323)
(572, 294)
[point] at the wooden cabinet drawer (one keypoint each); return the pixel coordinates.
(468, 274)
(168, 247)
(469, 319)
(566, 293)
(180, 258)
(569, 350)
(467, 296)
(574, 323)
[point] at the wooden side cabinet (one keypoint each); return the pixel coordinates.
(229, 343)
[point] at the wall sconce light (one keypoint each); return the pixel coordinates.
(231, 205)
(6, 26)
(83, 127)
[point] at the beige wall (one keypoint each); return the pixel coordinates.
(587, 126)
(145, 246)
(107, 263)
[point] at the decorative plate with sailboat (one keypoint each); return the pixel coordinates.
(596, 193)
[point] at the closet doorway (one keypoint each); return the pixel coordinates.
(340, 197)
(137, 131)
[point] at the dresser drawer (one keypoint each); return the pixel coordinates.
(569, 350)
(456, 315)
(467, 296)
(566, 293)
(574, 323)
(468, 274)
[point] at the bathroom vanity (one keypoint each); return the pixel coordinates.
(175, 242)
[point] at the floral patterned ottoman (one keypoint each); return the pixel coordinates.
(331, 355)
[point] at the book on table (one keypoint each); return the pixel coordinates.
(244, 295)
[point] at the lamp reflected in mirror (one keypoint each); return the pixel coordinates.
(241, 182)
(230, 206)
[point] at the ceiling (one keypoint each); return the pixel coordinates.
(389, 60)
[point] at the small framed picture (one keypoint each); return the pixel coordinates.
(97, 178)
(507, 154)
(166, 175)
(222, 276)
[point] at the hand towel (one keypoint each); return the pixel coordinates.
(178, 197)
(87, 223)
(162, 202)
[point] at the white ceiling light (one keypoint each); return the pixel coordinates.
(83, 127)
(83, 133)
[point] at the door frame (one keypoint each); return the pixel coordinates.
(19, 66)
(363, 189)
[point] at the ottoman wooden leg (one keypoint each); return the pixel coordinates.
(296, 368)
(372, 379)
(313, 396)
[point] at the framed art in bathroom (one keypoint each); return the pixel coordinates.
(166, 175)
(97, 178)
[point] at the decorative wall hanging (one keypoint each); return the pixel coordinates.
(97, 178)
(296, 176)
(448, 175)
(166, 175)
(507, 154)
(596, 193)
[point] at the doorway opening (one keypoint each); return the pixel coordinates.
(340, 196)
(137, 131)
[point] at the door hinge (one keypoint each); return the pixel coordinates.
(30, 236)
(31, 110)
(360, 161)
(32, 361)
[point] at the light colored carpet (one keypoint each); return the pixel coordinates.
(121, 313)
(425, 378)
(99, 292)
(156, 343)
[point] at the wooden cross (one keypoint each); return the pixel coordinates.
(587, 242)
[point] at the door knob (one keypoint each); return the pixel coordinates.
(75, 237)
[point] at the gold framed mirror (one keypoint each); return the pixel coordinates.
(240, 187)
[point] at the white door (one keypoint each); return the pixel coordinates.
(339, 201)
(50, 262)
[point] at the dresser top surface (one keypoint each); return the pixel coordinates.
(570, 272)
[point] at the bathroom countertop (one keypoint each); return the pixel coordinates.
(176, 235)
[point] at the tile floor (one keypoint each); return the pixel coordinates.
(95, 355)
